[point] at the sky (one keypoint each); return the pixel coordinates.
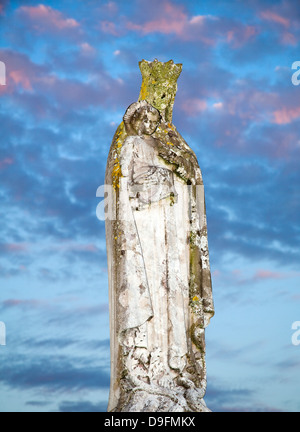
(71, 72)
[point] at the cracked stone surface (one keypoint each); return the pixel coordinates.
(160, 287)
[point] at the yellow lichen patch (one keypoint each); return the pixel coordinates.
(196, 298)
(169, 143)
(158, 79)
(144, 91)
(119, 140)
(117, 169)
(170, 126)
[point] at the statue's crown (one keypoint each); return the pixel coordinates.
(160, 71)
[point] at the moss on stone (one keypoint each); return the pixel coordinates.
(159, 85)
(118, 142)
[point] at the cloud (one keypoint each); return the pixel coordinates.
(53, 374)
(13, 248)
(19, 78)
(109, 27)
(44, 92)
(193, 106)
(6, 162)
(289, 39)
(282, 20)
(220, 399)
(171, 19)
(73, 247)
(3, 5)
(269, 15)
(167, 18)
(87, 49)
(247, 204)
(78, 315)
(21, 71)
(82, 406)
(286, 115)
(239, 277)
(44, 19)
(72, 71)
(22, 304)
(67, 342)
(37, 404)
(267, 274)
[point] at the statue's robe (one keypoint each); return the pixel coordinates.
(159, 276)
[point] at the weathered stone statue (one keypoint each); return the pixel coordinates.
(158, 261)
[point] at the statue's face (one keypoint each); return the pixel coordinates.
(146, 123)
(150, 123)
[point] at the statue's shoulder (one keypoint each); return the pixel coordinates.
(132, 145)
(132, 141)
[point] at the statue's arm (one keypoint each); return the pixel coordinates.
(147, 183)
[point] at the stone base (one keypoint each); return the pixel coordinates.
(142, 401)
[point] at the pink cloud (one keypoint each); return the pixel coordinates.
(194, 106)
(21, 71)
(218, 105)
(6, 162)
(109, 27)
(260, 276)
(15, 247)
(240, 35)
(87, 49)
(289, 39)
(72, 247)
(20, 77)
(12, 303)
(3, 5)
(274, 17)
(266, 274)
(286, 115)
(175, 21)
(285, 21)
(172, 19)
(85, 248)
(111, 7)
(44, 18)
(44, 85)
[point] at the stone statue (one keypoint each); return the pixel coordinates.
(158, 262)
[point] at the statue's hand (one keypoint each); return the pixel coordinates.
(185, 168)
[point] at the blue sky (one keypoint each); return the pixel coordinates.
(71, 72)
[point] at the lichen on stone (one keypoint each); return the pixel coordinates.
(159, 85)
(118, 141)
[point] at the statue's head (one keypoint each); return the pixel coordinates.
(141, 118)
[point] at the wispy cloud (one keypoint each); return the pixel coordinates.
(72, 70)
(269, 15)
(53, 374)
(45, 19)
